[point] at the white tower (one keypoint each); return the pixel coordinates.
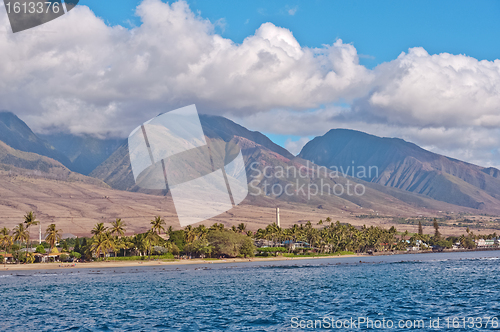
(40, 233)
(278, 217)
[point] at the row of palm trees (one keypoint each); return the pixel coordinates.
(345, 237)
(105, 239)
(325, 237)
(110, 239)
(21, 234)
(332, 238)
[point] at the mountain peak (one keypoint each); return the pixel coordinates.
(217, 126)
(13, 122)
(15, 133)
(404, 165)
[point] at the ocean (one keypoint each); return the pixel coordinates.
(426, 292)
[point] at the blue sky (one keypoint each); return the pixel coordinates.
(380, 30)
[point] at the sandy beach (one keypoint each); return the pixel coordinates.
(135, 263)
(118, 264)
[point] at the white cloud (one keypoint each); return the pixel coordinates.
(174, 58)
(436, 90)
(295, 146)
(292, 11)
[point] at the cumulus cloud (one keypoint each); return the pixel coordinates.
(90, 77)
(435, 90)
(77, 74)
(449, 104)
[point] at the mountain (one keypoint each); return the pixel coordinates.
(27, 164)
(393, 162)
(220, 127)
(85, 152)
(308, 184)
(117, 172)
(15, 133)
(262, 156)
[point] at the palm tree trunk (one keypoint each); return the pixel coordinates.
(27, 246)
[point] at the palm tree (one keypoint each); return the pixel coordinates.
(102, 243)
(217, 227)
(118, 227)
(138, 244)
(20, 234)
(98, 244)
(4, 231)
(201, 232)
(98, 229)
(53, 235)
(30, 257)
(190, 234)
(148, 241)
(126, 243)
(30, 220)
(118, 243)
(157, 225)
(5, 238)
(242, 227)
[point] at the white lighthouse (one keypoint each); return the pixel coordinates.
(278, 217)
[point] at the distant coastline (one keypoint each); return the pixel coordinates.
(109, 264)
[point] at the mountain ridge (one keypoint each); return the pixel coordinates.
(405, 165)
(17, 134)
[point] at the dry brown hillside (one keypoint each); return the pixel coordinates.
(76, 206)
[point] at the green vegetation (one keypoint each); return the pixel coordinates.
(216, 241)
(53, 235)
(75, 255)
(333, 238)
(228, 243)
(40, 249)
(266, 251)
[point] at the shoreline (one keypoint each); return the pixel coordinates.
(136, 263)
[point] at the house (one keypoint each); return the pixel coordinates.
(264, 243)
(412, 249)
(483, 243)
(8, 258)
(295, 245)
(47, 258)
(302, 245)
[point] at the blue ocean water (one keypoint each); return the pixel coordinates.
(261, 296)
